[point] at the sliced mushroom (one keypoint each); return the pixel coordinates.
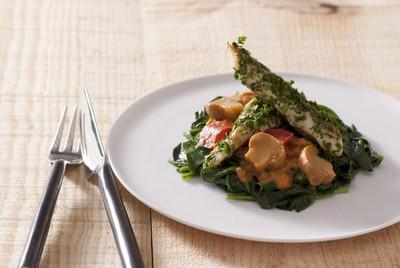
(265, 151)
(229, 107)
(318, 170)
(225, 108)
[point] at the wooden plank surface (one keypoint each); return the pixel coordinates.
(123, 49)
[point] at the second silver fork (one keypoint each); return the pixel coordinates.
(60, 157)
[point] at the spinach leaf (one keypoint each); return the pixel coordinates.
(176, 152)
(211, 174)
(201, 121)
(240, 196)
(358, 150)
(234, 185)
(299, 178)
(296, 198)
(267, 195)
(195, 158)
(187, 156)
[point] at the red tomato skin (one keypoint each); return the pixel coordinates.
(214, 132)
(281, 134)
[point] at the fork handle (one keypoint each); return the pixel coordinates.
(41, 223)
(121, 227)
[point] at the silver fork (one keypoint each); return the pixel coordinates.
(59, 157)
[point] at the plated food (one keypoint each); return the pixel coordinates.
(270, 144)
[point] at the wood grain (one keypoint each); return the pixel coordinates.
(123, 49)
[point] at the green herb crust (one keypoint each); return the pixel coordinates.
(256, 115)
(320, 123)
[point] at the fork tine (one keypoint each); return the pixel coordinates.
(60, 128)
(71, 132)
(78, 147)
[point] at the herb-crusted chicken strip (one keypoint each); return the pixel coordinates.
(307, 116)
(257, 115)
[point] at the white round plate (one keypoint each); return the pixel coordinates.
(142, 139)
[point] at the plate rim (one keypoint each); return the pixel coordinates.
(230, 234)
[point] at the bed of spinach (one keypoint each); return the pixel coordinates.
(187, 156)
(358, 155)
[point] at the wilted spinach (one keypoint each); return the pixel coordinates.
(357, 155)
(187, 156)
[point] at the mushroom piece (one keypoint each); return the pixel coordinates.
(318, 170)
(265, 151)
(224, 108)
(229, 107)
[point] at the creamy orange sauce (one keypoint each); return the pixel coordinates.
(295, 146)
(282, 175)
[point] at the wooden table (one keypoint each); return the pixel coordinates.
(122, 49)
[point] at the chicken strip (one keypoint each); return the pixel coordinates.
(307, 116)
(256, 116)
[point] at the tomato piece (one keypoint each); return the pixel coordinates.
(281, 134)
(213, 132)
